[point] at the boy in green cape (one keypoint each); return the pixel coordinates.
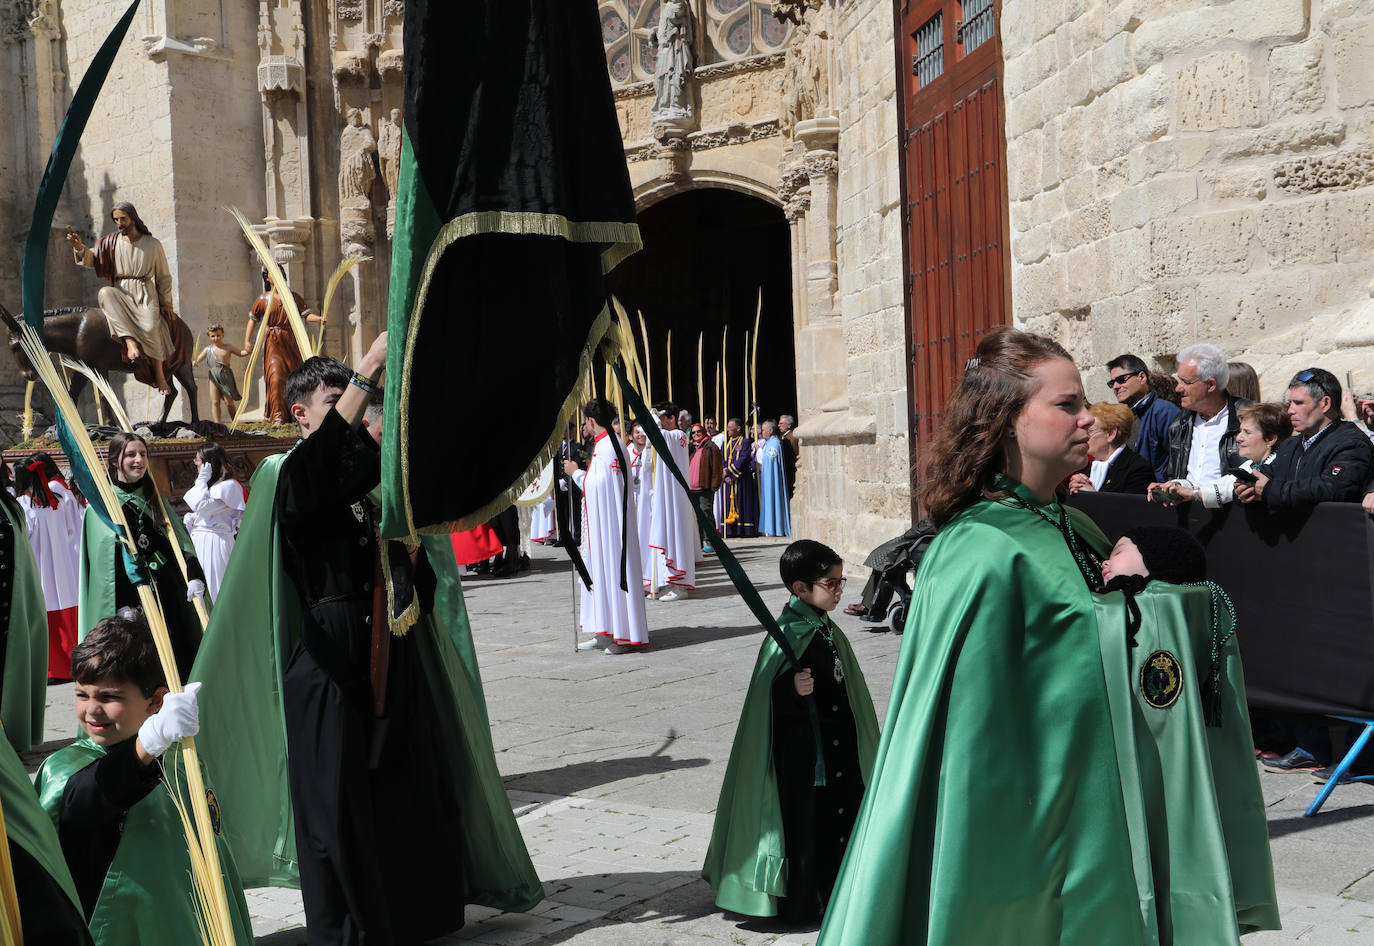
(297, 733)
(120, 832)
(779, 837)
(49, 910)
(24, 624)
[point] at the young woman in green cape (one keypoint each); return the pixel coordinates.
(1003, 806)
(105, 582)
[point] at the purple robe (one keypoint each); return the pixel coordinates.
(740, 489)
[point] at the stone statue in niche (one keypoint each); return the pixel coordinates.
(806, 92)
(674, 64)
(389, 151)
(357, 168)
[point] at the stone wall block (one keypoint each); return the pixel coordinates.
(1112, 63)
(1122, 264)
(1340, 171)
(1217, 91)
(1248, 21)
(1049, 153)
(1113, 176)
(1295, 78)
(1024, 112)
(1078, 190)
(1130, 208)
(1167, 194)
(1203, 244)
(1089, 224)
(1354, 77)
(1085, 31)
(1069, 139)
(1318, 230)
(1078, 82)
(1023, 165)
(1032, 247)
(1249, 183)
(1299, 135)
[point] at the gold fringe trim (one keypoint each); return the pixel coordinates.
(622, 239)
(399, 624)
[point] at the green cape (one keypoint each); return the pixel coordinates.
(29, 826)
(746, 861)
(147, 897)
(252, 634)
(100, 556)
(996, 812)
(24, 690)
(1208, 837)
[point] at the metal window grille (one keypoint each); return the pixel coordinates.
(929, 62)
(976, 27)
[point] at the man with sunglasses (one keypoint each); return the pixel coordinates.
(1129, 379)
(1328, 459)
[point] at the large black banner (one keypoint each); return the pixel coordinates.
(1303, 588)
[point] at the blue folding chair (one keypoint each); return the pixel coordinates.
(1339, 775)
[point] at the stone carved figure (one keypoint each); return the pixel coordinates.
(389, 151)
(674, 64)
(806, 92)
(357, 168)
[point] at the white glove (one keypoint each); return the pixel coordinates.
(178, 718)
(203, 477)
(194, 588)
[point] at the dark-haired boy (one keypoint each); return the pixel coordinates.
(779, 838)
(120, 833)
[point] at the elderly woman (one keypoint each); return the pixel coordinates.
(1262, 428)
(1116, 468)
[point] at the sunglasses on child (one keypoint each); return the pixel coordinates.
(832, 585)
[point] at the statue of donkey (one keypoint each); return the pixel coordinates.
(81, 332)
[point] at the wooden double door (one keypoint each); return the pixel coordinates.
(954, 195)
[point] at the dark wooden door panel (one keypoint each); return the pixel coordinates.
(954, 192)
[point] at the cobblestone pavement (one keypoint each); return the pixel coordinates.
(613, 764)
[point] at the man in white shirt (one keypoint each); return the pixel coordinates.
(1202, 439)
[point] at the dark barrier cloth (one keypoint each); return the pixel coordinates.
(1303, 587)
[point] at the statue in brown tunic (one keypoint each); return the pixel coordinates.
(280, 353)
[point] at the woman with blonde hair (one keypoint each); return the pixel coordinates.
(1116, 468)
(1007, 804)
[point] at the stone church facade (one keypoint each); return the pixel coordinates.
(1153, 172)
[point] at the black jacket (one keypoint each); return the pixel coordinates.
(1334, 469)
(1128, 473)
(1181, 439)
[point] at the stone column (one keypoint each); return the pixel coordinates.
(820, 138)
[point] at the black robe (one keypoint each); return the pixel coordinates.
(817, 820)
(376, 820)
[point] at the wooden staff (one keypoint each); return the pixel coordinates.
(724, 381)
(719, 422)
(670, 364)
(701, 380)
(754, 367)
(648, 363)
(745, 358)
(11, 929)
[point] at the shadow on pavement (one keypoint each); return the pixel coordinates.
(579, 776)
(1283, 826)
(670, 898)
(667, 638)
(291, 937)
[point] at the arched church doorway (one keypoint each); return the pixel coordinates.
(708, 254)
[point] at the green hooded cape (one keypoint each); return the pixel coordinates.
(242, 740)
(100, 556)
(28, 825)
(147, 897)
(1208, 837)
(23, 688)
(746, 861)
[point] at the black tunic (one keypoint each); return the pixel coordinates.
(376, 822)
(816, 820)
(90, 821)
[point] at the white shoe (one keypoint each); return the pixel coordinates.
(677, 594)
(590, 644)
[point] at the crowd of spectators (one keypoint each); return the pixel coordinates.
(1206, 434)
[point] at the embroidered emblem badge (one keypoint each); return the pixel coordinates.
(143, 542)
(1161, 679)
(212, 802)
